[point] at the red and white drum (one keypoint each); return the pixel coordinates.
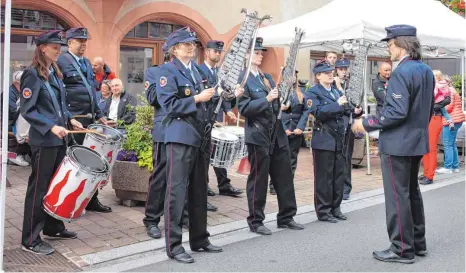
(107, 147)
(74, 183)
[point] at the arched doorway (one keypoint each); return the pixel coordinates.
(141, 48)
(25, 24)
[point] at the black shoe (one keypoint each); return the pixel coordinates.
(231, 191)
(154, 232)
(340, 216)
(209, 248)
(66, 234)
(291, 225)
(426, 181)
(211, 207)
(330, 219)
(210, 192)
(345, 196)
(262, 230)
(421, 253)
(98, 207)
(183, 258)
(42, 248)
(421, 177)
(272, 191)
(388, 256)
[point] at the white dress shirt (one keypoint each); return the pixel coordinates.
(113, 111)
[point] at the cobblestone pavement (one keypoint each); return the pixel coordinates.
(98, 231)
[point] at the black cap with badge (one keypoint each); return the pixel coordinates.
(51, 37)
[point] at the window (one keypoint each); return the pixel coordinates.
(152, 30)
(33, 20)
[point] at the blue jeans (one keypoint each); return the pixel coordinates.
(449, 146)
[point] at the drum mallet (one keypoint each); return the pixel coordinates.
(94, 132)
(88, 116)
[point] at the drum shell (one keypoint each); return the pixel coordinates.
(71, 189)
(241, 150)
(223, 150)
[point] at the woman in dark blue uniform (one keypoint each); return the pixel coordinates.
(328, 106)
(43, 107)
(294, 120)
(268, 150)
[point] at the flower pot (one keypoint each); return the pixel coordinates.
(130, 182)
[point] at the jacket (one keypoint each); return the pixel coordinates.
(125, 113)
(454, 108)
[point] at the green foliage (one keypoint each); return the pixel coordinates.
(138, 134)
(371, 99)
(456, 83)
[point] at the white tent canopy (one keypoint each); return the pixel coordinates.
(340, 20)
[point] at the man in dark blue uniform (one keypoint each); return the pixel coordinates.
(80, 94)
(403, 124)
(213, 52)
(182, 96)
(158, 179)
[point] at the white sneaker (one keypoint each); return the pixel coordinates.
(443, 170)
(456, 170)
(19, 160)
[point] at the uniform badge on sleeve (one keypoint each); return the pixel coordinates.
(163, 81)
(146, 85)
(27, 93)
(309, 103)
(187, 91)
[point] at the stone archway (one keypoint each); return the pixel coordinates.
(68, 12)
(164, 11)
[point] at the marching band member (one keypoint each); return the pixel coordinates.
(341, 82)
(43, 107)
(158, 180)
(328, 106)
(213, 52)
(180, 94)
(294, 122)
(403, 123)
(268, 150)
(80, 94)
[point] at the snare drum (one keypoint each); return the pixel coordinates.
(241, 149)
(74, 183)
(108, 148)
(223, 148)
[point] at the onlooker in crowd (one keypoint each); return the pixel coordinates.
(379, 85)
(15, 144)
(101, 72)
(104, 94)
(451, 163)
(429, 160)
(441, 91)
(331, 58)
(117, 107)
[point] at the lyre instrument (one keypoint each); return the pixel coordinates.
(287, 79)
(232, 65)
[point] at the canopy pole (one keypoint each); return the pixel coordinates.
(463, 64)
(366, 108)
(6, 76)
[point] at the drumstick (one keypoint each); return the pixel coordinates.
(88, 131)
(89, 116)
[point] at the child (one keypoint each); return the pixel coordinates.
(441, 92)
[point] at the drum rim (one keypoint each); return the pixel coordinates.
(106, 141)
(85, 168)
(236, 138)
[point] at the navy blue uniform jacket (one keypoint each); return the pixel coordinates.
(185, 120)
(78, 98)
(325, 109)
(259, 113)
(212, 79)
(297, 116)
(404, 119)
(38, 109)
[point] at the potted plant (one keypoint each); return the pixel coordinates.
(133, 167)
